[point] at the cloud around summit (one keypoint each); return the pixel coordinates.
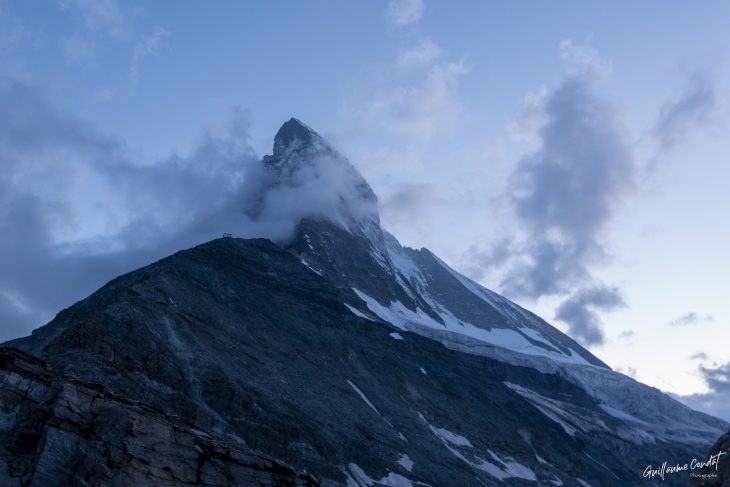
(76, 210)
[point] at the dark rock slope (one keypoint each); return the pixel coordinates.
(60, 431)
(241, 339)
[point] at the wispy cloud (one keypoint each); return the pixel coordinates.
(149, 45)
(101, 30)
(423, 52)
(409, 105)
(525, 126)
(690, 318)
(404, 12)
(416, 105)
(693, 108)
(581, 59)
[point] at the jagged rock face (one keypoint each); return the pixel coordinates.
(374, 263)
(304, 166)
(59, 431)
(357, 360)
(240, 336)
(715, 475)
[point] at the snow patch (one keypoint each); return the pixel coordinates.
(617, 413)
(406, 462)
(360, 479)
(537, 336)
(423, 371)
(548, 407)
(450, 437)
(364, 397)
(510, 468)
(513, 468)
(403, 264)
(395, 480)
(396, 336)
(393, 316)
(401, 317)
(358, 313)
(310, 266)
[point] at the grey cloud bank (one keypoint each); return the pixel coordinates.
(566, 191)
(563, 194)
(59, 175)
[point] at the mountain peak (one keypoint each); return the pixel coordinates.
(294, 132)
(304, 167)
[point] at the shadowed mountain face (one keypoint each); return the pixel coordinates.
(337, 357)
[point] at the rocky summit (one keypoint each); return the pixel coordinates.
(335, 356)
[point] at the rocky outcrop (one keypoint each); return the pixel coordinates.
(60, 431)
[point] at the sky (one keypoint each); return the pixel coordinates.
(569, 155)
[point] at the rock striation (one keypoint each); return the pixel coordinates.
(57, 430)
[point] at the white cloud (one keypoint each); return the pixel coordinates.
(423, 52)
(583, 59)
(419, 108)
(402, 117)
(404, 12)
(525, 126)
(148, 46)
(695, 107)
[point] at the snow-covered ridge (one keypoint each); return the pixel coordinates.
(400, 316)
(514, 330)
(521, 338)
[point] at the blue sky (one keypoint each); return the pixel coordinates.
(569, 154)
